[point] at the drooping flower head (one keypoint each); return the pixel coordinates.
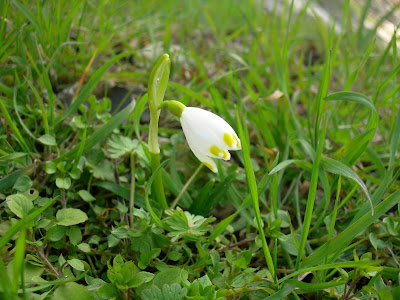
(208, 135)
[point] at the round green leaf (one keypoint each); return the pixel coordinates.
(48, 140)
(84, 247)
(75, 235)
(50, 167)
(70, 216)
(107, 291)
(56, 233)
(63, 183)
(23, 184)
(86, 196)
(174, 255)
(76, 264)
(19, 204)
(72, 290)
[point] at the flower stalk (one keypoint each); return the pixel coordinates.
(156, 90)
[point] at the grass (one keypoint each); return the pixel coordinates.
(289, 216)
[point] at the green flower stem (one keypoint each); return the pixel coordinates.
(157, 187)
(157, 85)
(175, 107)
(183, 190)
(153, 133)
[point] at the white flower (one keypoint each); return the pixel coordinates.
(208, 135)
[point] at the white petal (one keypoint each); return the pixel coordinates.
(202, 139)
(207, 126)
(207, 161)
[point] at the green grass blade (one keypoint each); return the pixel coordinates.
(80, 150)
(23, 222)
(99, 134)
(8, 181)
(25, 11)
(251, 182)
(376, 196)
(139, 108)
(41, 105)
(355, 147)
(350, 80)
(221, 226)
(311, 196)
(10, 39)
(282, 293)
(201, 202)
(14, 128)
(18, 260)
(21, 122)
(89, 87)
(5, 281)
(347, 264)
(122, 192)
(261, 187)
(336, 167)
(394, 140)
(353, 97)
(216, 195)
(343, 239)
(314, 286)
(285, 163)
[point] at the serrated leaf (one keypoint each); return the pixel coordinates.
(173, 291)
(70, 216)
(186, 224)
(104, 170)
(121, 145)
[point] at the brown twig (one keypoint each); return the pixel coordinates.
(63, 200)
(44, 257)
(242, 242)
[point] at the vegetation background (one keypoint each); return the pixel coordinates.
(314, 103)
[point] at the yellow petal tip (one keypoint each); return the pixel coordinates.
(228, 139)
(208, 165)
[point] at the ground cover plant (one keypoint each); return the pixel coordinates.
(102, 197)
